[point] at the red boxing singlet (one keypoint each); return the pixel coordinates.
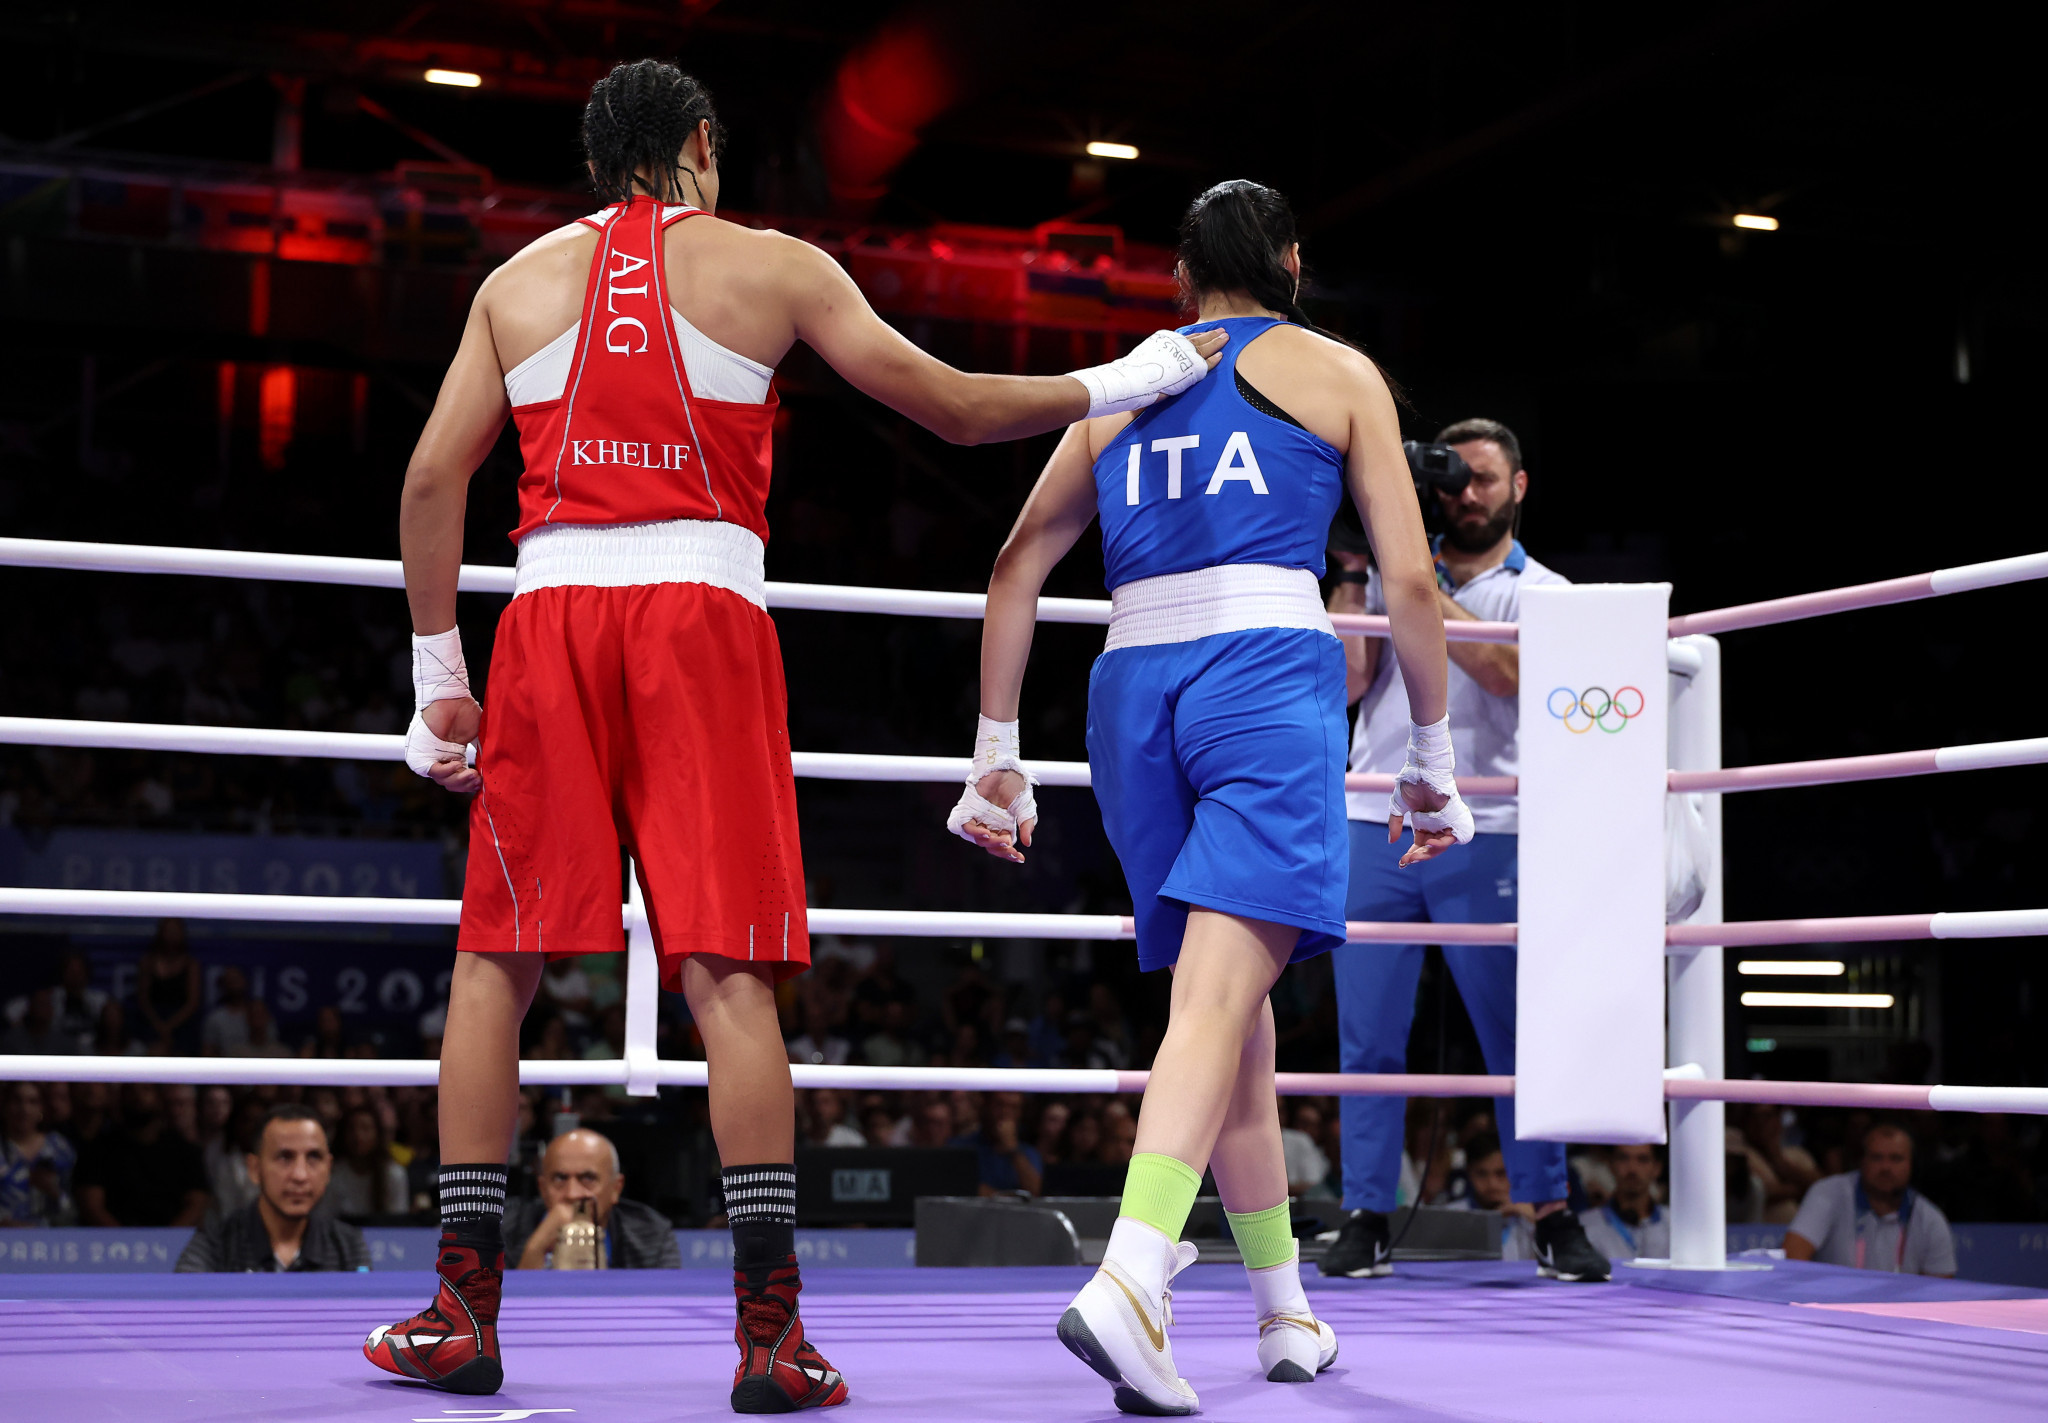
(628, 442)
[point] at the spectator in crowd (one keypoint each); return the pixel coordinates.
(580, 1180)
(289, 1226)
(90, 1109)
(1112, 1029)
(1008, 1164)
(35, 1162)
(139, 1171)
(74, 1003)
(1308, 1169)
(167, 992)
(262, 1040)
(1084, 1047)
(78, 1003)
(224, 1032)
(326, 1040)
(1487, 1171)
(181, 1109)
(1429, 1135)
(818, 1043)
(1119, 1133)
(1016, 1047)
(1052, 1129)
(38, 1032)
(111, 1037)
(1083, 1143)
(1785, 1172)
(1872, 1218)
(880, 1125)
(368, 1181)
(932, 1125)
(1631, 1224)
(892, 1044)
(227, 1137)
(566, 987)
(825, 1122)
(1049, 1029)
(326, 1105)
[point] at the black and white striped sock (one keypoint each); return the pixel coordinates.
(760, 1205)
(473, 1199)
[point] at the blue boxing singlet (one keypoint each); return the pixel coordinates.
(1206, 479)
(1216, 734)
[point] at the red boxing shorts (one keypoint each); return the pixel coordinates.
(652, 717)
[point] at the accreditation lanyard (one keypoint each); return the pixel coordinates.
(1622, 1227)
(1863, 1208)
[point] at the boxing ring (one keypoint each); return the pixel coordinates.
(1683, 1342)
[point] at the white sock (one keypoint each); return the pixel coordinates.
(1277, 1289)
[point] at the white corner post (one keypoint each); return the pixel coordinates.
(1699, 1178)
(643, 995)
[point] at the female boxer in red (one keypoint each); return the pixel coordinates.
(636, 693)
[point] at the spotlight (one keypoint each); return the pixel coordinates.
(1816, 1000)
(1755, 222)
(1115, 150)
(1802, 968)
(463, 79)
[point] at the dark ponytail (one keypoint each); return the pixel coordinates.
(1233, 239)
(639, 117)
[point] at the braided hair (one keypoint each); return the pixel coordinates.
(639, 117)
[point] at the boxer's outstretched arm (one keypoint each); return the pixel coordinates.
(468, 414)
(828, 311)
(1061, 506)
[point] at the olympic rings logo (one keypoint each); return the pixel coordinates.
(1582, 711)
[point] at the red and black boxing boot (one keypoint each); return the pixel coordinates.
(779, 1370)
(453, 1342)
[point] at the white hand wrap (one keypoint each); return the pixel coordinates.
(995, 749)
(1431, 763)
(423, 749)
(438, 675)
(438, 672)
(1164, 363)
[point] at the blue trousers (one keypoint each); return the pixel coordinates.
(1472, 884)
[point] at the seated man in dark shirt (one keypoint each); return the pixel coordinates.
(580, 1180)
(1008, 1164)
(140, 1171)
(285, 1227)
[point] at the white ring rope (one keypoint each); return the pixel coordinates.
(1679, 1085)
(965, 924)
(854, 766)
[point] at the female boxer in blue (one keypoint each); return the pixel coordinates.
(1216, 742)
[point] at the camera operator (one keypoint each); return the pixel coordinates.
(1481, 570)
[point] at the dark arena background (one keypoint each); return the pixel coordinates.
(1754, 284)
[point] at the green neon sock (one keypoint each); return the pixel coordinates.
(1265, 1238)
(1160, 1191)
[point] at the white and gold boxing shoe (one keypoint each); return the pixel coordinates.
(1117, 1324)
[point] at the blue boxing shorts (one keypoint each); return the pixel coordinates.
(1219, 766)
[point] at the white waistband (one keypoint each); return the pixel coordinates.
(627, 555)
(1236, 597)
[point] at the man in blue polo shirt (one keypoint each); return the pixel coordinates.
(1871, 1218)
(1481, 571)
(1632, 1225)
